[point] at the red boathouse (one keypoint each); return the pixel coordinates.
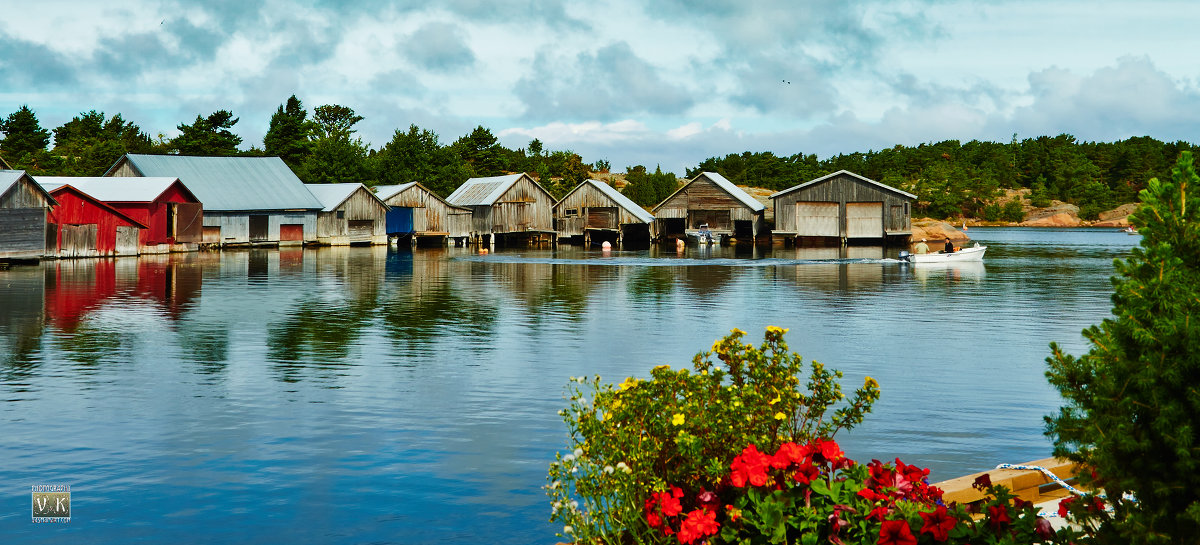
(84, 226)
(173, 216)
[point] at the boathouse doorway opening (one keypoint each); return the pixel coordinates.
(258, 228)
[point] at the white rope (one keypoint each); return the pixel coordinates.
(1046, 472)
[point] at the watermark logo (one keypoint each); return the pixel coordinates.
(52, 503)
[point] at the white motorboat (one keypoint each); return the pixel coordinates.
(973, 253)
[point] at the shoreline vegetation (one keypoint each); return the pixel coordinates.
(1006, 182)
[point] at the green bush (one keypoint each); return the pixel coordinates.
(1013, 211)
(683, 427)
(1132, 400)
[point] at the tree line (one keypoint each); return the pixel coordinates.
(950, 178)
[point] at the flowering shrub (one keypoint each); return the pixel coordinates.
(634, 444)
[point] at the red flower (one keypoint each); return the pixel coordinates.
(698, 524)
(1097, 505)
(790, 453)
(982, 482)
(654, 520)
(998, 517)
(829, 450)
(896, 532)
(806, 474)
(749, 465)
(870, 495)
(1064, 506)
(939, 523)
(669, 504)
(878, 513)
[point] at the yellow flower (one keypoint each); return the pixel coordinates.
(616, 404)
(774, 401)
(662, 367)
(870, 383)
(677, 419)
(630, 382)
(776, 329)
(780, 416)
(738, 331)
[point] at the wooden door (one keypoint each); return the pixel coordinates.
(188, 222)
(817, 219)
(864, 220)
(258, 228)
(361, 230)
(602, 218)
(291, 232)
(127, 240)
(79, 240)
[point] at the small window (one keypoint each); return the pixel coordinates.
(572, 212)
(341, 214)
(905, 208)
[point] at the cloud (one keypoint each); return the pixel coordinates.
(1131, 98)
(440, 47)
(27, 64)
(606, 84)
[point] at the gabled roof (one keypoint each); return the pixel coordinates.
(611, 192)
(386, 192)
(485, 191)
(848, 173)
(67, 188)
(333, 195)
(114, 189)
(230, 183)
(9, 178)
(727, 186)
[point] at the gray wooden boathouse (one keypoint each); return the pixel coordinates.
(353, 215)
(247, 200)
(710, 199)
(595, 211)
(843, 206)
(24, 208)
(509, 208)
(421, 214)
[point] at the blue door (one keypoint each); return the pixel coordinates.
(400, 221)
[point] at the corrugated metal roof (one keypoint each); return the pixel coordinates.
(111, 189)
(386, 192)
(482, 191)
(612, 193)
(847, 172)
(232, 183)
(333, 195)
(734, 190)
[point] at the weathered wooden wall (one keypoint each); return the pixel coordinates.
(359, 208)
(171, 218)
(86, 228)
(592, 210)
(22, 233)
(432, 215)
(524, 207)
(234, 227)
(793, 210)
(702, 201)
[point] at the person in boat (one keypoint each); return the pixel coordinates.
(921, 247)
(949, 247)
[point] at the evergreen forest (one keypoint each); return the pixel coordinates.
(950, 178)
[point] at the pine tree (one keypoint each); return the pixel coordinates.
(289, 135)
(1132, 399)
(23, 136)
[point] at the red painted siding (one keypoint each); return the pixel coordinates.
(76, 208)
(155, 214)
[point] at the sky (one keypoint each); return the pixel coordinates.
(665, 83)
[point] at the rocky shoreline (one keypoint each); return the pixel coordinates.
(1058, 214)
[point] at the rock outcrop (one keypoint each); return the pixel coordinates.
(936, 230)
(1061, 219)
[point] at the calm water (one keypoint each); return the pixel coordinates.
(362, 396)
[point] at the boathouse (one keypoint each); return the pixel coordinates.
(421, 214)
(507, 208)
(24, 213)
(595, 211)
(172, 214)
(843, 206)
(83, 226)
(352, 215)
(709, 199)
(247, 200)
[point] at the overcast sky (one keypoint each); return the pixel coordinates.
(665, 82)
